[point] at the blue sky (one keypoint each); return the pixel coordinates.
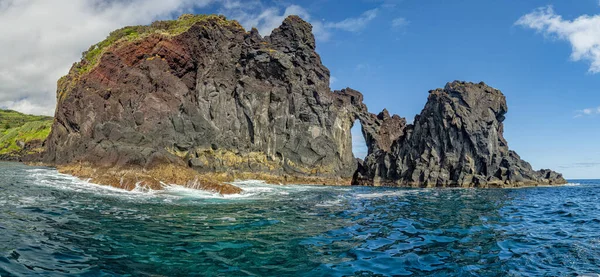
(544, 56)
(434, 42)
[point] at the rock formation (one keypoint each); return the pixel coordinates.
(457, 140)
(202, 93)
(215, 98)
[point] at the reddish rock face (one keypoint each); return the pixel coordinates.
(215, 98)
(218, 99)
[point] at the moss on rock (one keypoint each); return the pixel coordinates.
(129, 34)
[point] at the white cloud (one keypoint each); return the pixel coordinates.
(332, 80)
(28, 107)
(354, 24)
(265, 19)
(582, 32)
(233, 4)
(399, 22)
(41, 39)
(587, 112)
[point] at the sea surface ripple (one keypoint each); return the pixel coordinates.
(56, 225)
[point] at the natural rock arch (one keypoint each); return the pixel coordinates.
(220, 100)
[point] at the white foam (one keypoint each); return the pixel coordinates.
(572, 184)
(249, 182)
(394, 193)
(252, 189)
(330, 203)
(52, 178)
(183, 192)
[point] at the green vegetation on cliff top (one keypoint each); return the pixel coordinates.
(130, 34)
(17, 129)
(11, 119)
(134, 33)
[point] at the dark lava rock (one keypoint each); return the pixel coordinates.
(219, 99)
(215, 98)
(457, 140)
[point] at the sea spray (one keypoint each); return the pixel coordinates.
(54, 224)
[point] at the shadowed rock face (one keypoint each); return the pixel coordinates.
(457, 140)
(216, 98)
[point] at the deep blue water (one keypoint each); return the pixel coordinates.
(56, 225)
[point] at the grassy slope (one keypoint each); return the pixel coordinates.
(134, 33)
(130, 34)
(16, 127)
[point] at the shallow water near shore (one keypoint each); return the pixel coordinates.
(56, 225)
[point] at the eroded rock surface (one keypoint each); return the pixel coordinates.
(457, 140)
(220, 100)
(215, 98)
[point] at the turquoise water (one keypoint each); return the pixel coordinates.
(56, 225)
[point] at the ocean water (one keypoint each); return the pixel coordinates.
(55, 225)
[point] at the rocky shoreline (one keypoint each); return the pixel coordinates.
(200, 102)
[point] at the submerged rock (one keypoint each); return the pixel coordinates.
(202, 93)
(151, 179)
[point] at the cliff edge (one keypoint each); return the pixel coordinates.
(200, 101)
(212, 98)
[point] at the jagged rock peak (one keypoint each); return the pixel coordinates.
(294, 32)
(201, 93)
(476, 94)
(457, 140)
(213, 98)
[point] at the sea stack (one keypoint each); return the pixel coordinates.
(199, 100)
(456, 141)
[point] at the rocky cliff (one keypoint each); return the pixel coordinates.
(213, 98)
(457, 140)
(203, 96)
